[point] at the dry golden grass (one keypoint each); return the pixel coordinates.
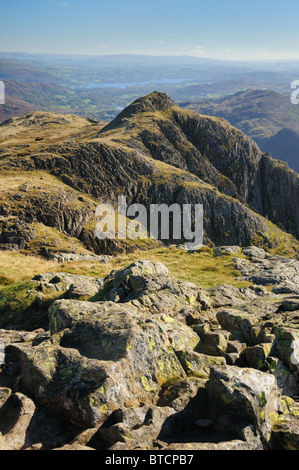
(40, 129)
(17, 267)
(201, 268)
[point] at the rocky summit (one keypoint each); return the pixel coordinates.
(158, 363)
(141, 344)
(153, 153)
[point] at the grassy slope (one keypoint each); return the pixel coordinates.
(18, 299)
(200, 267)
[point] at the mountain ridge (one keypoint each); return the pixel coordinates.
(261, 114)
(155, 152)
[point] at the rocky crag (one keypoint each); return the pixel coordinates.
(148, 362)
(154, 152)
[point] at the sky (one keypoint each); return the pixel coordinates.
(232, 30)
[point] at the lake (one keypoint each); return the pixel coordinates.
(123, 85)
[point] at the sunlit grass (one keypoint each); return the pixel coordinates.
(201, 268)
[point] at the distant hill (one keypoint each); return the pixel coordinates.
(262, 115)
(285, 142)
(222, 88)
(23, 97)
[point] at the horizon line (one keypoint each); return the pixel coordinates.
(63, 54)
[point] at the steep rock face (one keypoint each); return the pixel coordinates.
(232, 153)
(268, 117)
(218, 154)
(278, 190)
(260, 180)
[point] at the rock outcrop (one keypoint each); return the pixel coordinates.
(159, 363)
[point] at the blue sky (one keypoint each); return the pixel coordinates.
(252, 29)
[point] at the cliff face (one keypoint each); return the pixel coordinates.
(285, 146)
(277, 188)
(154, 152)
(219, 155)
(268, 117)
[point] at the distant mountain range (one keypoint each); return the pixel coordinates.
(266, 116)
(254, 97)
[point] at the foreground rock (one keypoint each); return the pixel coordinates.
(15, 416)
(158, 363)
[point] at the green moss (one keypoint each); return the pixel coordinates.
(66, 373)
(168, 319)
(225, 399)
(53, 323)
(190, 299)
(19, 306)
(262, 400)
(273, 365)
(104, 409)
(273, 417)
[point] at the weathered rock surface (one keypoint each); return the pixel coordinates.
(15, 416)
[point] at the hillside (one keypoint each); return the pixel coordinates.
(261, 114)
(286, 143)
(154, 151)
(128, 344)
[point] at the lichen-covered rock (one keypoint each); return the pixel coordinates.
(100, 357)
(265, 269)
(247, 394)
(199, 365)
(256, 356)
(148, 285)
(285, 432)
(138, 428)
(73, 286)
(236, 320)
(287, 347)
(160, 359)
